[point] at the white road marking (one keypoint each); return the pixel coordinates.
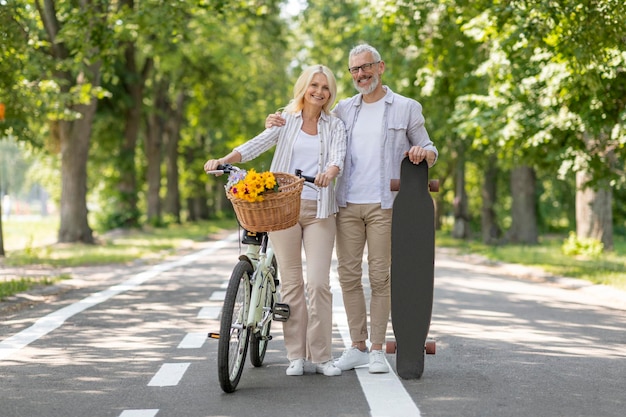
(55, 319)
(139, 413)
(211, 312)
(192, 341)
(217, 296)
(385, 394)
(169, 374)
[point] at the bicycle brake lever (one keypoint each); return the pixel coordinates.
(306, 177)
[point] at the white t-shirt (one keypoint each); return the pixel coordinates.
(364, 182)
(305, 157)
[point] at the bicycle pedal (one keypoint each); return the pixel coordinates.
(214, 335)
(281, 312)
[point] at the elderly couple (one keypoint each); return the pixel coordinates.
(361, 144)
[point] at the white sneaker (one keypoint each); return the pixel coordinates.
(378, 363)
(351, 358)
(327, 368)
(296, 367)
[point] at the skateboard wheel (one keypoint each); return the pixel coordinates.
(431, 347)
(390, 347)
(433, 186)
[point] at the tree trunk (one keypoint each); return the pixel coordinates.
(133, 82)
(461, 229)
(594, 215)
(440, 203)
(75, 139)
(489, 226)
(154, 145)
(199, 190)
(172, 195)
(74, 136)
(524, 207)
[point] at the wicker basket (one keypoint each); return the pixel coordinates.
(277, 211)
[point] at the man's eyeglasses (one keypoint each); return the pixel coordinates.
(364, 67)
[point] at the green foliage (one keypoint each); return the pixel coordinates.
(15, 286)
(108, 218)
(585, 247)
(606, 269)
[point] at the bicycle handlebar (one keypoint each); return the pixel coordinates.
(306, 177)
(228, 168)
(224, 169)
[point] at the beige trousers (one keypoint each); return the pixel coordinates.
(357, 225)
(308, 332)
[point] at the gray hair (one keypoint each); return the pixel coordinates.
(364, 47)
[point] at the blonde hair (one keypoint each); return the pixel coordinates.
(303, 82)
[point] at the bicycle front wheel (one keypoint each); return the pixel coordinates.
(234, 335)
(260, 340)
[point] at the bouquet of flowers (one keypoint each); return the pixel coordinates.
(251, 185)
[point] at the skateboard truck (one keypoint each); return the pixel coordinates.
(281, 312)
(430, 347)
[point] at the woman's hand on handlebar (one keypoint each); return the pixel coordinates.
(212, 165)
(324, 179)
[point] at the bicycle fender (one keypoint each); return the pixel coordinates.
(247, 259)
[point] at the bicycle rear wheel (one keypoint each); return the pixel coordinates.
(233, 342)
(260, 340)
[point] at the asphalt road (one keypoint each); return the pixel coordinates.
(131, 342)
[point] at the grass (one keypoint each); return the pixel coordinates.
(11, 287)
(607, 269)
(24, 232)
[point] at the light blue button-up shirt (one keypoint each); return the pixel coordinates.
(403, 128)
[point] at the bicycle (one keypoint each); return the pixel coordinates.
(250, 305)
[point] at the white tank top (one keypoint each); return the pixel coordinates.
(305, 156)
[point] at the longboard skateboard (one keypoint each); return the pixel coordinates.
(412, 268)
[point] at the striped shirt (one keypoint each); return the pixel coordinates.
(332, 134)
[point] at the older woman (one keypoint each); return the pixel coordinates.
(314, 141)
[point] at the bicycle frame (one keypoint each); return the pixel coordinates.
(260, 257)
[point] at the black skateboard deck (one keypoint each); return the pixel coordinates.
(412, 268)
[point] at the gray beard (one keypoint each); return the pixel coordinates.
(368, 90)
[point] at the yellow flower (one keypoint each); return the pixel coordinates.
(253, 185)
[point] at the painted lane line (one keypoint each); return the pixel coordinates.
(211, 312)
(385, 393)
(54, 320)
(217, 296)
(192, 341)
(139, 413)
(169, 374)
